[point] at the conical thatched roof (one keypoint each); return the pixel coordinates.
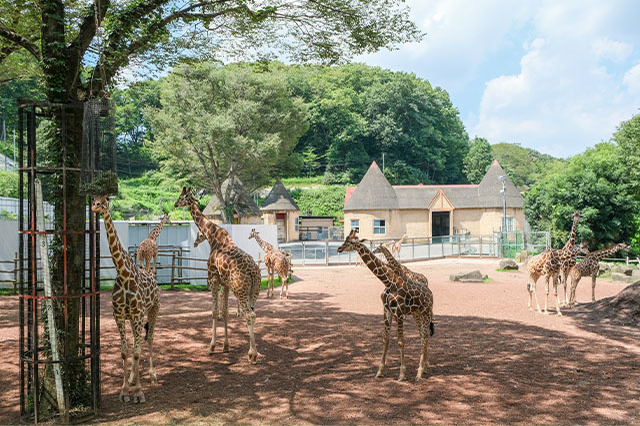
(245, 206)
(373, 193)
(489, 190)
(279, 199)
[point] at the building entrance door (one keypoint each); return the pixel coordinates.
(281, 223)
(440, 223)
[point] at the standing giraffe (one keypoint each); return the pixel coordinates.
(590, 266)
(401, 296)
(548, 264)
(229, 267)
(570, 261)
(148, 249)
(416, 276)
(135, 295)
(397, 246)
(275, 261)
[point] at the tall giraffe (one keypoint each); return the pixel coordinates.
(401, 296)
(148, 249)
(589, 267)
(416, 276)
(229, 267)
(275, 261)
(570, 261)
(548, 264)
(397, 246)
(135, 295)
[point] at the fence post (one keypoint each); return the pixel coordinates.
(480, 246)
(429, 241)
(173, 267)
(459, 253)
(413, 249)
(442, 247)
(304, 254)
(15, 274)
(326, 253)
(180, 271)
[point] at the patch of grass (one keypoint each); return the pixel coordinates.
(6, 292)
(506, 270)
(180, 287)
(487, 280)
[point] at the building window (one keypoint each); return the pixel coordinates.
(379, 227)
(262, 221)
(355, 224)
(508, 224)
(297, 224)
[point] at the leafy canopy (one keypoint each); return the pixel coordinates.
(478, 160)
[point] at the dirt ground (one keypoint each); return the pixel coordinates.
(492, 360)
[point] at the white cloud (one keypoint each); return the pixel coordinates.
(632, 79)
(614, 50)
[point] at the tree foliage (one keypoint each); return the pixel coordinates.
(594, 184)
(627, 137)
(226, 123)
(525, 166)
(478, 160)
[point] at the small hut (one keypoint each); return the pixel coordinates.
(280, 209)
(246, 211)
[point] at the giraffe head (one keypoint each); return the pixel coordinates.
(186, 198)
(380, 249)
(199, 238)
(100, 204)
(351, 242)
(624, 247)
(253, 233)
(576, 215)
(165, 218)
(582, 248)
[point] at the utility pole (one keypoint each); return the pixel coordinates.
(503, 179)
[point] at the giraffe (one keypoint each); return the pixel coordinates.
(400, 267)
(397, 246)
(402, 296)
(199, 239)
(276, 262)
(148, 249)
(548, 264)
(229, 267)
(135, 295)
(590, 266)
(569, 262)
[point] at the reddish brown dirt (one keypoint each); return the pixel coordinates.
(492, 361)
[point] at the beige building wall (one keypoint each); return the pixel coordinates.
(290, 221)
(417, 223)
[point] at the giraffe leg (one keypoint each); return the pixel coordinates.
(546, 298)
(138, 395)
(423, 327)
(213, 284)
(403, 367)
(153, 315)
(250, 317)
(385, 341)
(574, 284)
(124, 392)
(557, 296)
(155, 259)
(225, 317)
(532, 293)
(285, 282)
(593, 288)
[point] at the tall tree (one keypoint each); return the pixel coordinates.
(525, 166)
(478, 160)
(593, 183)
(228, 123)
(627, 137)
(58, 34)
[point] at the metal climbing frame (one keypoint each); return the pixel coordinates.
(65, 302)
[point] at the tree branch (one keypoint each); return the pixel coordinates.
(21, 41)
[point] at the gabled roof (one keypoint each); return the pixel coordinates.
(373, 193)
(245, 205)
(487, 194)
(279, 199)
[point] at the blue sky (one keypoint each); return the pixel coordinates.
(555, 76)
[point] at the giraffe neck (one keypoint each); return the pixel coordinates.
(390, 259)
(120, 258)
(572, 236)
(265, 245)
(382, 271)
(217, 236)
(155, 232)
(597, 255)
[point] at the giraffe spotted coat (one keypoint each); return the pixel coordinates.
(148, 250)
(276, 261)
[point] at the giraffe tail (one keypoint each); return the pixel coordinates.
(146, 330)
(432, 329)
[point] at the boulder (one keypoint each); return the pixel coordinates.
(508, 264)
(620, 277)
(468, 277)
(635, 275)
(622, 269)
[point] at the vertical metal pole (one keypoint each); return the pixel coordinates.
(413, 248)
(304, 254)
(15, 273)
(326, 253)
(23, 405)
(173, 267)
(480, 245)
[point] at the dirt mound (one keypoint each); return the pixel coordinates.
(623, 308)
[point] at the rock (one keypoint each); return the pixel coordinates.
(622, 269)
(468, 277)
(635, 275)
(620, 277)
(508, 264)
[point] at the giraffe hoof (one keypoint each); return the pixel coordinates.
(379, 374)
(225, 348)
(138, 397)
(418, 378)
(401, 378)
(124, 397)
(154, 378)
